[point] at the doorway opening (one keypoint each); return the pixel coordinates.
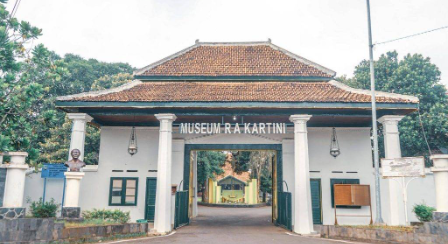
(236, 175)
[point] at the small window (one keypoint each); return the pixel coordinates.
(341, 181)
(123, 191)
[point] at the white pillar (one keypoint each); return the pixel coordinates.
(303, 215)
(392, 150)
(440, 171)
(15, 180)
(195, 184)
(78, 136)
(162, 218)
(72, 187)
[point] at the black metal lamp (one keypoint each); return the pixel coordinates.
(334, 146)
(132, 148)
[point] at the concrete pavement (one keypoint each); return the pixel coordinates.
(233, 225)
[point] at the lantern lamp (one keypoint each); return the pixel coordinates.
(334, 146)
(132, 149)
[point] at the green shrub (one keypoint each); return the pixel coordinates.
(115, 215)
(41, 209)
(423, 212)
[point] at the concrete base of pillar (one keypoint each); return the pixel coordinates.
(440, 217)
(71, 212)
(12, 213)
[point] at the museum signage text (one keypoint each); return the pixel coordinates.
(228, 128)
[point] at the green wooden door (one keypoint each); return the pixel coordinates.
(150, 203)
(316, 202)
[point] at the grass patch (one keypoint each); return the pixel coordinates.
(89, 222)
(383, 227)
(102, 239)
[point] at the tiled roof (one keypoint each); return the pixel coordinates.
(222, 91)
(235, 59)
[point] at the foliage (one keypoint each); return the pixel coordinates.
(31, 77)
(83, 74)
(40, 209)
(89, 222)
(115, 215)
(111, 81)
(266, 180)
(25, 73)
(209, 165)
(413, 75)
(240, 161)
(423, 212)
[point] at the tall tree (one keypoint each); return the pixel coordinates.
(413, 75)
(260, 162)
(209, 166)
(25, 73)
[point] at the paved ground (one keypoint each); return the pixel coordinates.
(232, 225)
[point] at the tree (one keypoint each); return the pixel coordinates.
(111, 81)
(209, 166)
(25, 73)
(261, 162)
(413, 75)
(55, 147)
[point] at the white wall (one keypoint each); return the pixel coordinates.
(355, 156)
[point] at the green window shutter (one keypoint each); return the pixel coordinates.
(150, 208)
(341, 181)
(123, 191)
(316, 201)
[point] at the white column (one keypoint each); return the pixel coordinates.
(72, 187)
(195, 184)
(162, 218)
(303, 215)
(392, 150)
(78, 136)
(440, 171)
(15, 180)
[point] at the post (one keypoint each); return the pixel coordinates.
(195, 183)
(78, 136)
(72, 188)
(14, 187)
(392, 150)
(303, 216)
(440, 171)
(162, 219)
(379, 216)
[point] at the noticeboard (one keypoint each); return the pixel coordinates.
(55, 171)
(352, 195)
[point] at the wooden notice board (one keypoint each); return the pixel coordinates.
(352, 195)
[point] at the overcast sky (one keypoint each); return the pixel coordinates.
(332, 33)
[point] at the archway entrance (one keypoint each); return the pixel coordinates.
(280, 199)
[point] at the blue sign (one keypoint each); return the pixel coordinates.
(55, 171)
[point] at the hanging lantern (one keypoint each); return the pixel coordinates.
(132, 149)
(334, 146)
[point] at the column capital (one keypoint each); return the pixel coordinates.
(297, 118)
(440, 162)
(391, 119)
(79, 116)
(170, 117)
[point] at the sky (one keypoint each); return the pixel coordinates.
(332, 33)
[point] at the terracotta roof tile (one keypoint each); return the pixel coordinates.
(220, 91)
(252, 59)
